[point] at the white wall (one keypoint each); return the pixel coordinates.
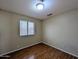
(9, 32)
(61, 31)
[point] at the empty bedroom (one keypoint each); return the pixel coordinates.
(38, 29)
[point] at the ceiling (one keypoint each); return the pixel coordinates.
(27, 7)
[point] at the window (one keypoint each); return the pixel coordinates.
(23, 28)
(27, 28)
(30, 28)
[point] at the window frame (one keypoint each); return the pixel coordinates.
(27, 28)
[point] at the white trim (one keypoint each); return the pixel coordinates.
(19, 49)
(60, 49)
(35, 44)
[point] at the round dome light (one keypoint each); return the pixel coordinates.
(40, 6)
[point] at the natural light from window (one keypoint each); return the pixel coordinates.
(27, 28)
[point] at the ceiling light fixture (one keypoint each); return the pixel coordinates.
(40, 5)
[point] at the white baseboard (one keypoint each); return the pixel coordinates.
(35, 44)
(60, 49)
(18, 49)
